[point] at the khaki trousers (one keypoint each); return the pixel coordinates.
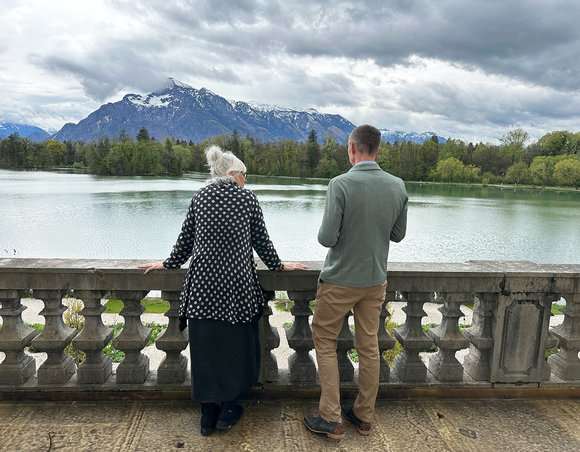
(332, 303)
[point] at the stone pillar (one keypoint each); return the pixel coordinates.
(344, 343)
(565, 364)
(477, 363)
(386, 341)
(173, 368)
(444, 365)
(269, 340)
(408, 365)
(97, 367)
(299, 335)
(17, 366)
(521, 337)
(132, 339)
(58, 367)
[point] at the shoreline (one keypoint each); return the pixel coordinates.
(500, 186)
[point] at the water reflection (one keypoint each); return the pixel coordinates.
(55, 214)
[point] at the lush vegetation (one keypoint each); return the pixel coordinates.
(552, 160)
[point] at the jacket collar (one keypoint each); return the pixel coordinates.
(365, 167)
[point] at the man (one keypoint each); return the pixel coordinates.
(365, 209)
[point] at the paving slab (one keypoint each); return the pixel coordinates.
(276, 425)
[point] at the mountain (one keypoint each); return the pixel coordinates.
(33, 133)
(391, 136)
(183, 112)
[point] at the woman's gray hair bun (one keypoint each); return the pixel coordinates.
(221, 163)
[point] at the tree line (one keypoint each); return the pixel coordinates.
(552, 160)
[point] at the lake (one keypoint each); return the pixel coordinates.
(68, 215)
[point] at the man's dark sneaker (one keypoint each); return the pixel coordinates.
(363, 427)
(229, 415)
(317, 424)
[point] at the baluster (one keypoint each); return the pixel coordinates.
(299, 335)
(386, 341)
(132, 339)
(58, 367)
(565, 364)
(17, 366)
(444, 365)
(477, 363)
(173, 368)
(97, 367)
(551, 342)
(344, 343)
(408, 365)
(269, 340)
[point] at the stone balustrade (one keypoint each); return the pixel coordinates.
(505, 345)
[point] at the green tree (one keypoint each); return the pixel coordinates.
(313, 149)
(56, 153)
(490, 158)
(471, 173)
(169, 161)
(13, 151)
(453, 148)
(234, 145)
(541, 170)
(407, 161)
(450, 170)
(390, 158)
(124, 136)
(518, 173)
(143, 134)
(119, 159)
(425, 159)
(512, 147)
(567, 172)
(560, 142)
(516, 137)
(327, 167)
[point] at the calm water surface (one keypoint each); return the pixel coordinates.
(65, 215)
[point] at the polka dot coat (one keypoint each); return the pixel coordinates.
(224, 222)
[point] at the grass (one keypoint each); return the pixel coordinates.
(557, 309)
(286, 305)
(116, 355)
(152, 306)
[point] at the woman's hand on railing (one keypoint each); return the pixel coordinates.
(151, 266)
(289, 266)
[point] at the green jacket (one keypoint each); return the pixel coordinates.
(365, 209)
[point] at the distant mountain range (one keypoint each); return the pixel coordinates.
(392, 136)
(183, 112)
(33, 133)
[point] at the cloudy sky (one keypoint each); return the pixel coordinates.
(461, 68)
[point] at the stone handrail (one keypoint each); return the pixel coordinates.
(506, 343)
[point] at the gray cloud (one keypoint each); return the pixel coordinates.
(529, 40)
(304, 53)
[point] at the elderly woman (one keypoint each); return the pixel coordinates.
(221, 296)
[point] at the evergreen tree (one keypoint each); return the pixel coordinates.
(313, 150)
(143, 134)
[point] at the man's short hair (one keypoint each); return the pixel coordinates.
(367, 139)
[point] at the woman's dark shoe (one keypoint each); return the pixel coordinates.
(229, 415)
(209, 416)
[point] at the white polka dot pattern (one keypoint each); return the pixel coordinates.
(224, 222)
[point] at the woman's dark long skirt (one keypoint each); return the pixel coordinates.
(225, 359)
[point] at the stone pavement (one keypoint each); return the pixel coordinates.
(276, 425)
